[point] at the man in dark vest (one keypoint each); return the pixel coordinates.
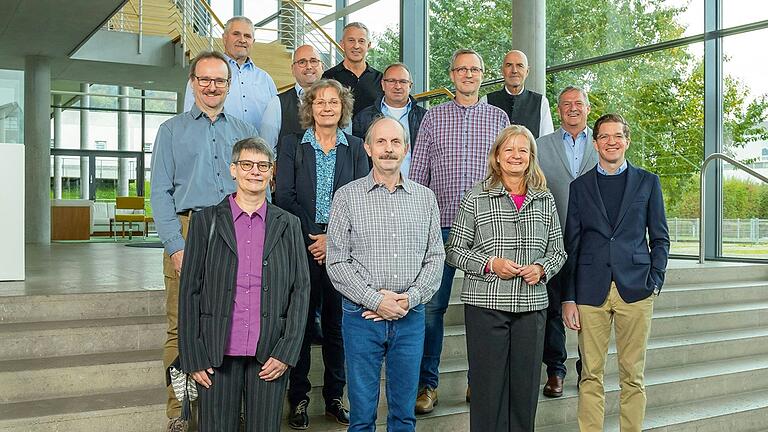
(524, 107)
(281, 117)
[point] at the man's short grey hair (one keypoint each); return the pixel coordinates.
(583, 93)
(255, 144)
(358, 25)
(237, 19)
(462, 51)
(369, 134)
(398, 64)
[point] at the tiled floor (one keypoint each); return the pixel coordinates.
(68, 268)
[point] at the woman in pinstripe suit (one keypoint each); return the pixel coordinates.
(243, 302)
(506, 238)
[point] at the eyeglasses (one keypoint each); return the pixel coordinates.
(603, 138)
(247, 165)
(205, 82)
(463, 70)
(304, 62)
(334, 103)
(392, 81)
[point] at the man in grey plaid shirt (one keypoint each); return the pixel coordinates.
(385, 256)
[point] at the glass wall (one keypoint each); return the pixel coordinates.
(11, 107)
(114, 126)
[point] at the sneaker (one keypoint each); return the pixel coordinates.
(177, 425)
(298, 419)
(336, 411)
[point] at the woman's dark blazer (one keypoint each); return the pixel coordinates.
(297, 176)
(208, 278)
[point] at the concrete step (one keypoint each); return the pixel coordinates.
(688, 295)
(87, 374)
(670, 386)
(450, 415)
(75, 337)
(64, 307)
(744, 412)
(134, 411)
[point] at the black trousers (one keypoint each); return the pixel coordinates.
(555, 353)
(323, 295)
(235, 381)
(504, 350)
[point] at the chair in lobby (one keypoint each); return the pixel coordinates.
(130, 210)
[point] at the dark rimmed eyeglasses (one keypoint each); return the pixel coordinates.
(304, 62)
(205, 82)
(247, 165)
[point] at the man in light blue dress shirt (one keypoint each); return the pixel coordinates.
(251, 88)
(190, 171)
(563, 155)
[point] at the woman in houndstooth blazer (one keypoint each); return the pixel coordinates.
(507, 239)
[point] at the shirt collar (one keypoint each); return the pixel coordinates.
(404, 183)
(385, 108)
(299, 90)
(248, 64)
(621, 169)
(309, 137)
(196, 112)
(475, 105)
(519, 94)
(565, 133)
(237, 212)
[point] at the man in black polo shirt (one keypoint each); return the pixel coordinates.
(281, 117)
(524, 107)
(354, 72)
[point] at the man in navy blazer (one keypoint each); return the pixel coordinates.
(617, 241)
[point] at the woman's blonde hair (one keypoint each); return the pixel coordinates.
(307, 120)
(534, 176)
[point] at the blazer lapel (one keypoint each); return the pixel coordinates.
(589, 154)
(596, 195)
(633, 182)
(343, 160)
(560, 150)
(309, 163)
(225, 226)
(276, 224)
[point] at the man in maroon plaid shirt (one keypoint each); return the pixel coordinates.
(449, 156)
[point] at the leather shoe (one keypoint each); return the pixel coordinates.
(554, 387)
(298, 418)
(336, 411)
(426, 401)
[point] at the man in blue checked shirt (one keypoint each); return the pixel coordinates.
(251, 88)
(385, 256)
(190, 171)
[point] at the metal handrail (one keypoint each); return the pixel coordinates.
(702, 202)
(210, 11)
(429, 94)
(317, 26)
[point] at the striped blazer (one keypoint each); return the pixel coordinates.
(488, 224)
(208, 279)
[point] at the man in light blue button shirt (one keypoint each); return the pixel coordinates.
(190, 171)
(564, 155)
(251, 88)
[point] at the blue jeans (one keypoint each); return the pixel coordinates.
(366, 345)
(433, 334)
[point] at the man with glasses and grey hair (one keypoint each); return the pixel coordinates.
(397, 103)
(251, 88)
(190, 171)
(564, 155)
(450, 155)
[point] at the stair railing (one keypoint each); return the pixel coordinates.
(297, 27)
(703, 196)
